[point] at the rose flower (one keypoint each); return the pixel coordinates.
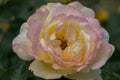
(64, 40)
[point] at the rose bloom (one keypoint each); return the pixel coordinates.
(64, 40)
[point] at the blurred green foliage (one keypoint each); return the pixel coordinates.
(14, 12)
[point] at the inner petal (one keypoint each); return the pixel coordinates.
(71, 34)
(55, 43)
(74, 48)
(58, 50)
(61, 33)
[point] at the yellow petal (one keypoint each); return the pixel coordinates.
(92, 75)
(44, 70)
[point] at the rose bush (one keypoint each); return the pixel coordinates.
(64, 40)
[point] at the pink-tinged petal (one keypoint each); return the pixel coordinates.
(94, 23)
(105, 35)
(92, 75)
(44, 47)
(37, 19)
(44, 70)
(94, 28)
(102, 55)
(87, 12)
(63, 9)
(79, 20)
(60, 26)
(36, 48)
(22, 45)
(76, 4)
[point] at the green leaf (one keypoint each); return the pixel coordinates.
(108, 75)
(113, 66)
(18, 72)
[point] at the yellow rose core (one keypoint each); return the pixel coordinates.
(68, 39)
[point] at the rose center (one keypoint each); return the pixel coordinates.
(63, 44)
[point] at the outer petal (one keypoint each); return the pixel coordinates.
(106, 35)
(44, 70)
(76, 4)
(92, 75)
(62, 9)
(37, 19)
(94, 23)
(21, 44)
(49, 6)
(102, 55)
(87, 12)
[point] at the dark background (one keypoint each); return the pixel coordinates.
(14, 12)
